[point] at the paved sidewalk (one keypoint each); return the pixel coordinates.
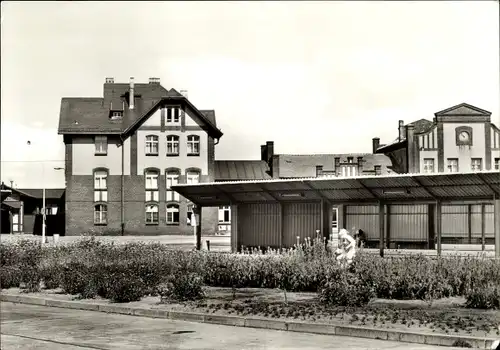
(38, 327)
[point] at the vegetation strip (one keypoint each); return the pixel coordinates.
(238, 321)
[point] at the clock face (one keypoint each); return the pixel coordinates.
(464, 136)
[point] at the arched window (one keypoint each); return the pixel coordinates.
(152, 145)
(192, 177)
(193, 145)
(172, 145)
(100, 214)
(172, 180)
(151, 214)
(151, 178)
(100, 186)
(172, 214)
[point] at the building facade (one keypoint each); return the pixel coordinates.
(461, 138)
(123, 153)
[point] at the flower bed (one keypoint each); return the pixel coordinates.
(128, 272)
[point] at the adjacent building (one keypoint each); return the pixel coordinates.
(21, 207)
(292, 166)
(459, 139)
(125, 150)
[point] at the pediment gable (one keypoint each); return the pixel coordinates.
(463, 109)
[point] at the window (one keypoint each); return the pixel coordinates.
(172, 214)
(428, 165)
(378, 170)
(189, 213)
(152, 145)
(100, 186)
(452, 165)
(115, 115)
(193, 145)
(335, 222)
(151, 214)
(193, 177)
(224, 214)
(348, 170)
(497, 163)
(101, 145)
(173, 114)
(100, 214)
(476, 164)
(151, 186)
(172, 145)
(172, 180)
(350, 159)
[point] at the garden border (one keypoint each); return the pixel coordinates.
(254, 322)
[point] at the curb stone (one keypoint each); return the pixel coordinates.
(239, 321)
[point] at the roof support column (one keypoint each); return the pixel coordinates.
(197, 211)
(234, 228)
(438, 219)
(381, 220)
(497, 226)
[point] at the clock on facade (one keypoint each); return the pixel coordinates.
(464, 136)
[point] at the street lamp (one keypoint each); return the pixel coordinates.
(43, 196)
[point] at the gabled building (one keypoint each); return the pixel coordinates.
(125, 150)
(459, 139)
(20, 207)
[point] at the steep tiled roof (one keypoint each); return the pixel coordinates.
(37, 192)
(91, 114)
(304, 165)
(420, 126)
(227, 170)
(210, 115)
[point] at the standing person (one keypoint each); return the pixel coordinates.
(360, 237)
(347, 247)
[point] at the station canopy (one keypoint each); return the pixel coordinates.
(480, 185)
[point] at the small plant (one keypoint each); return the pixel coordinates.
(182, 287)
(10, 277)
(484, 297)
(346, 289)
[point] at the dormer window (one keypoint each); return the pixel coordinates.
(116, 115)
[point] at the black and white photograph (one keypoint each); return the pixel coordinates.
(250, 175)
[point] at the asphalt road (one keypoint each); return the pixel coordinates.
(38, 327)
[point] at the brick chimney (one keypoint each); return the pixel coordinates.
(110, 80)
(401, 130)
(375, 144)
(131, 94)
(411, 151)
(155, 81)
(270, 150)
(263, 153)
(184, 93)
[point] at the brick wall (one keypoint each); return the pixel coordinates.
(80, 208)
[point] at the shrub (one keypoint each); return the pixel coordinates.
(124, 287)
(346, 289)
(10, 277)
(77, 279)
(484, 297)
(182, 287)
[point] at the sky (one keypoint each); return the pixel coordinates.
(314, 77)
